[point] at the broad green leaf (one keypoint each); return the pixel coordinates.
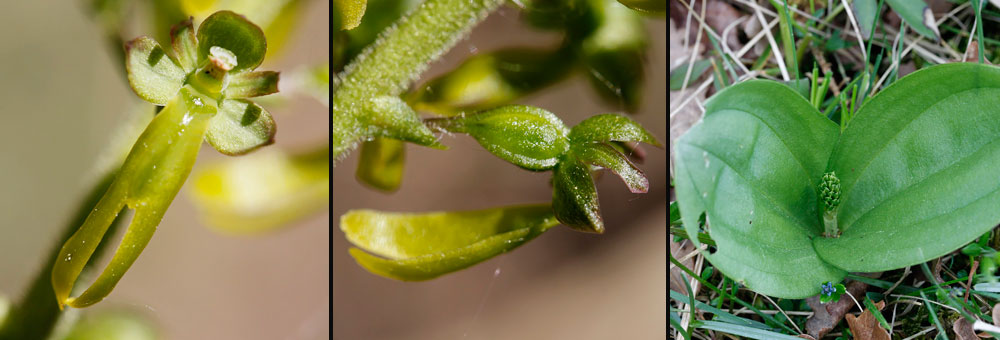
(610, 127)
(261, 191)
(752, 166)
(607, 157)
(864, 13)
(150, 177)
(381, 163)
(234, 33)
(678, 74)
(350, 13)
(185, 45)
(917, 15)
(391, 117)
(252, 84)
(153, 75)
(240, 127)
(488, 80)
(526, 136)
(800, 86)
(918, 169)
(574, 198)
(423, 246)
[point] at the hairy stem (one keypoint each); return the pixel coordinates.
(400, 54)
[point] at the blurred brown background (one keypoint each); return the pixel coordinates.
(61, 98)
(562, 285)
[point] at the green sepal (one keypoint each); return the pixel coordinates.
(656, 7)
(492, 79)
(574, 198)
(240, 127)
(235, 33)
(251, 84)
(391, 117)
(614, 54)
(555, 14)
(605, 156)
(152, 174)
(262, 191)
(610, 127)
(380, 165)
(526, 136)
(423, 246)
(185, 45)
(153, 75)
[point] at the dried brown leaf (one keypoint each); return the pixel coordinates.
(963, 330)
(866, 326)
(996, 314)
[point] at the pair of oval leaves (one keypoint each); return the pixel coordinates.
(918, 167)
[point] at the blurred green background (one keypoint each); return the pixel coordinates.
(562, 285)
(62, 97)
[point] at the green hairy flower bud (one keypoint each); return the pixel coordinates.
(829, 191)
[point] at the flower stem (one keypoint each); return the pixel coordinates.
(830, 224)
(400, 54)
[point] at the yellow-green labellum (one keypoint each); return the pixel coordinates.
(151, 176)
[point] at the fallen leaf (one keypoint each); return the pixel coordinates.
(963, 330)
(866, 327)
(996, 314)
(827, 316)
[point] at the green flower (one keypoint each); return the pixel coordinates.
(201, 83)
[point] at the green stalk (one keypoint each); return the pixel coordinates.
(979, 28)
(787, 37)
(396, 59)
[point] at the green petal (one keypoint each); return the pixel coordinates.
(526, 136)
(240, 127)
(574, 197)
(607, 157)
(252, 84)
(152, 74)
(614, 54)
(262, 191)
(185, 45)
(235, 33)
(610, 127)
(381, 163)
(149, 179)
(427, 245)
